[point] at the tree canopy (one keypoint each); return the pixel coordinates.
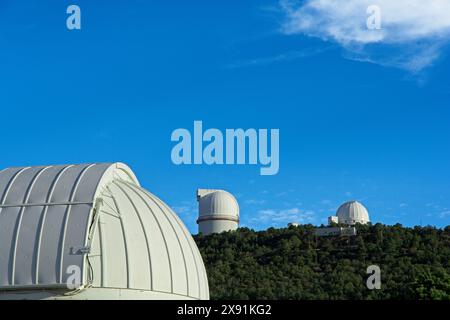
(293, 263)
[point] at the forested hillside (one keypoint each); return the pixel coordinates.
(294, 264)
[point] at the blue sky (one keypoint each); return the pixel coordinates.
(358, 119)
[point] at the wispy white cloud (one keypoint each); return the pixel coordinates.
(283, 216)
(444, 214)
(412, 34)
(255, 201)
(279, 58)
(186, 209)
(437, 210)
(182, 209)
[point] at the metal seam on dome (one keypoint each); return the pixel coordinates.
(234, 200)
(19, 222)
(127, 260)
(143, 229)
(109, 214)
(182, 229)
(178, 240)
(177, 219)
(132, 187)
(107, 204)
(43, 217)
(66, 220)
(10, 183)
(153, 291)
(189, 240)
(91, 233)
(215, 201)
(51, 231)
(216, 192)
(102, 237)
(103, 265)
(45, 204)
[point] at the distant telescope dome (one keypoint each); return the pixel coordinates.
(92, 232)
(218, 211)
(352, 212)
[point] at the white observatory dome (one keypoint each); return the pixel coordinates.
(352, 212)
(219, 202)
(218, 211)
(91, 232)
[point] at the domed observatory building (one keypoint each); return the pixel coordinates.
(351, 213)
(218, 211)
(92, 232)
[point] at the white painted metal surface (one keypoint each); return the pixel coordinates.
(126, 242)
(218, 211)
(333, 219)
(352, 212)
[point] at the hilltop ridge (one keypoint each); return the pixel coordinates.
(292, 263)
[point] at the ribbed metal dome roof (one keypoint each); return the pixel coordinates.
(352, 212)
(126, 242)
(219, 202)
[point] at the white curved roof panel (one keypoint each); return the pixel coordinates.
(352, 212)
(217, 203)
(44, 221)
(98, 218)
(142, 244)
